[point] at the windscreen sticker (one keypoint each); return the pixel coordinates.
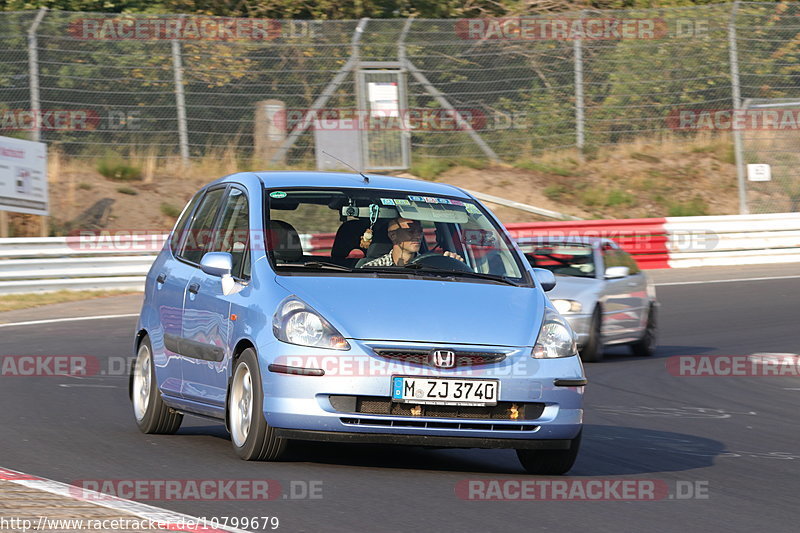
(473, 209)
(387, 201)
(402, 202)
(415, 198)
(457, 202)
(277, 194)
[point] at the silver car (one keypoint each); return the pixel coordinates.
(601, 291)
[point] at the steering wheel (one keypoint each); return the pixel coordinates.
(443, 262)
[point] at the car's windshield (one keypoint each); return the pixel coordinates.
(358, 232)
(565, 259)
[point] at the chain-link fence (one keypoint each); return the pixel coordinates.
(502, 89)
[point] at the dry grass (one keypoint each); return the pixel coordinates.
(25, 301)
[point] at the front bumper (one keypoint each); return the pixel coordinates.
(300, 407)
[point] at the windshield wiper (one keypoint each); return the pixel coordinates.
(479, 275)
(318, 264)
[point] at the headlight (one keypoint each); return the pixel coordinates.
(556, 338)
(296, 322)
(567, 306)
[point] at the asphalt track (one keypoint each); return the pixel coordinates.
(737, 438)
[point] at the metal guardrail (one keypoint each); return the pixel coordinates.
(121, 261)
(106, 261)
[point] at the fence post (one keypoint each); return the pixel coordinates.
(33, 72)
(737, 107)
(577, 47)
(180, 102)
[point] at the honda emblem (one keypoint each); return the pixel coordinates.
(443, 358)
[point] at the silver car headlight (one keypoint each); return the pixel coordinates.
(556, 339)
(567, 306)
(296, 322)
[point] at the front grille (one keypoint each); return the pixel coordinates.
(464, 358)
(379, 405)
(472, 426)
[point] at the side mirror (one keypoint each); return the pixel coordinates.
(617, 272)
(218, 264)
(546, 278)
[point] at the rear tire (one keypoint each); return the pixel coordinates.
(646, 346)
(253, 439)
(152, 415)
(550, 462)
(592, 351)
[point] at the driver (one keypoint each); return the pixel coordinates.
(406, 237)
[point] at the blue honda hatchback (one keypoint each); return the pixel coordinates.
(353, 308)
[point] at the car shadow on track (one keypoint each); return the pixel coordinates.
(616, 354)
(605, 451)
(618, 450)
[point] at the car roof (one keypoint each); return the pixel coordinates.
(568, 239)
(307, 178)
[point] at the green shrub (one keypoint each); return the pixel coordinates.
(618, 197)
(117, 170)
(429, 169)
(85, 186)
(170, 210)
(546, 169)
(127, 190)
(694, 207)
(593, 196)
(555, 192)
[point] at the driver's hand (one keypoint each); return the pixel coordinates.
(454, 256)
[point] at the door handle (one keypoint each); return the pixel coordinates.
(161, 278)
(194, 288)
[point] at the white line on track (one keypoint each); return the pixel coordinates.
(722, 281)
(142, 510)
(69, 319)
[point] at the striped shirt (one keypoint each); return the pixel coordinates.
(382, 261)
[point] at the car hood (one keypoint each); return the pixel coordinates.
(575, 288)
(421, 310)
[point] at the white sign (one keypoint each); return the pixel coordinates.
(759, 172)
(384, 100)
(23, 176)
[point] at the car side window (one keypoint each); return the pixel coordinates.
(180, 226)
(630, 262)
(199, 237)
(233, 231)
(612, 258)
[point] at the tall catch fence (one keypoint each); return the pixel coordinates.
(501, 89)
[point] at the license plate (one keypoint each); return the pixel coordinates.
(448, 391)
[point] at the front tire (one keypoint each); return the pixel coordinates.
(550, 462)
(152, 415)
(253, 439)
(592, 351)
